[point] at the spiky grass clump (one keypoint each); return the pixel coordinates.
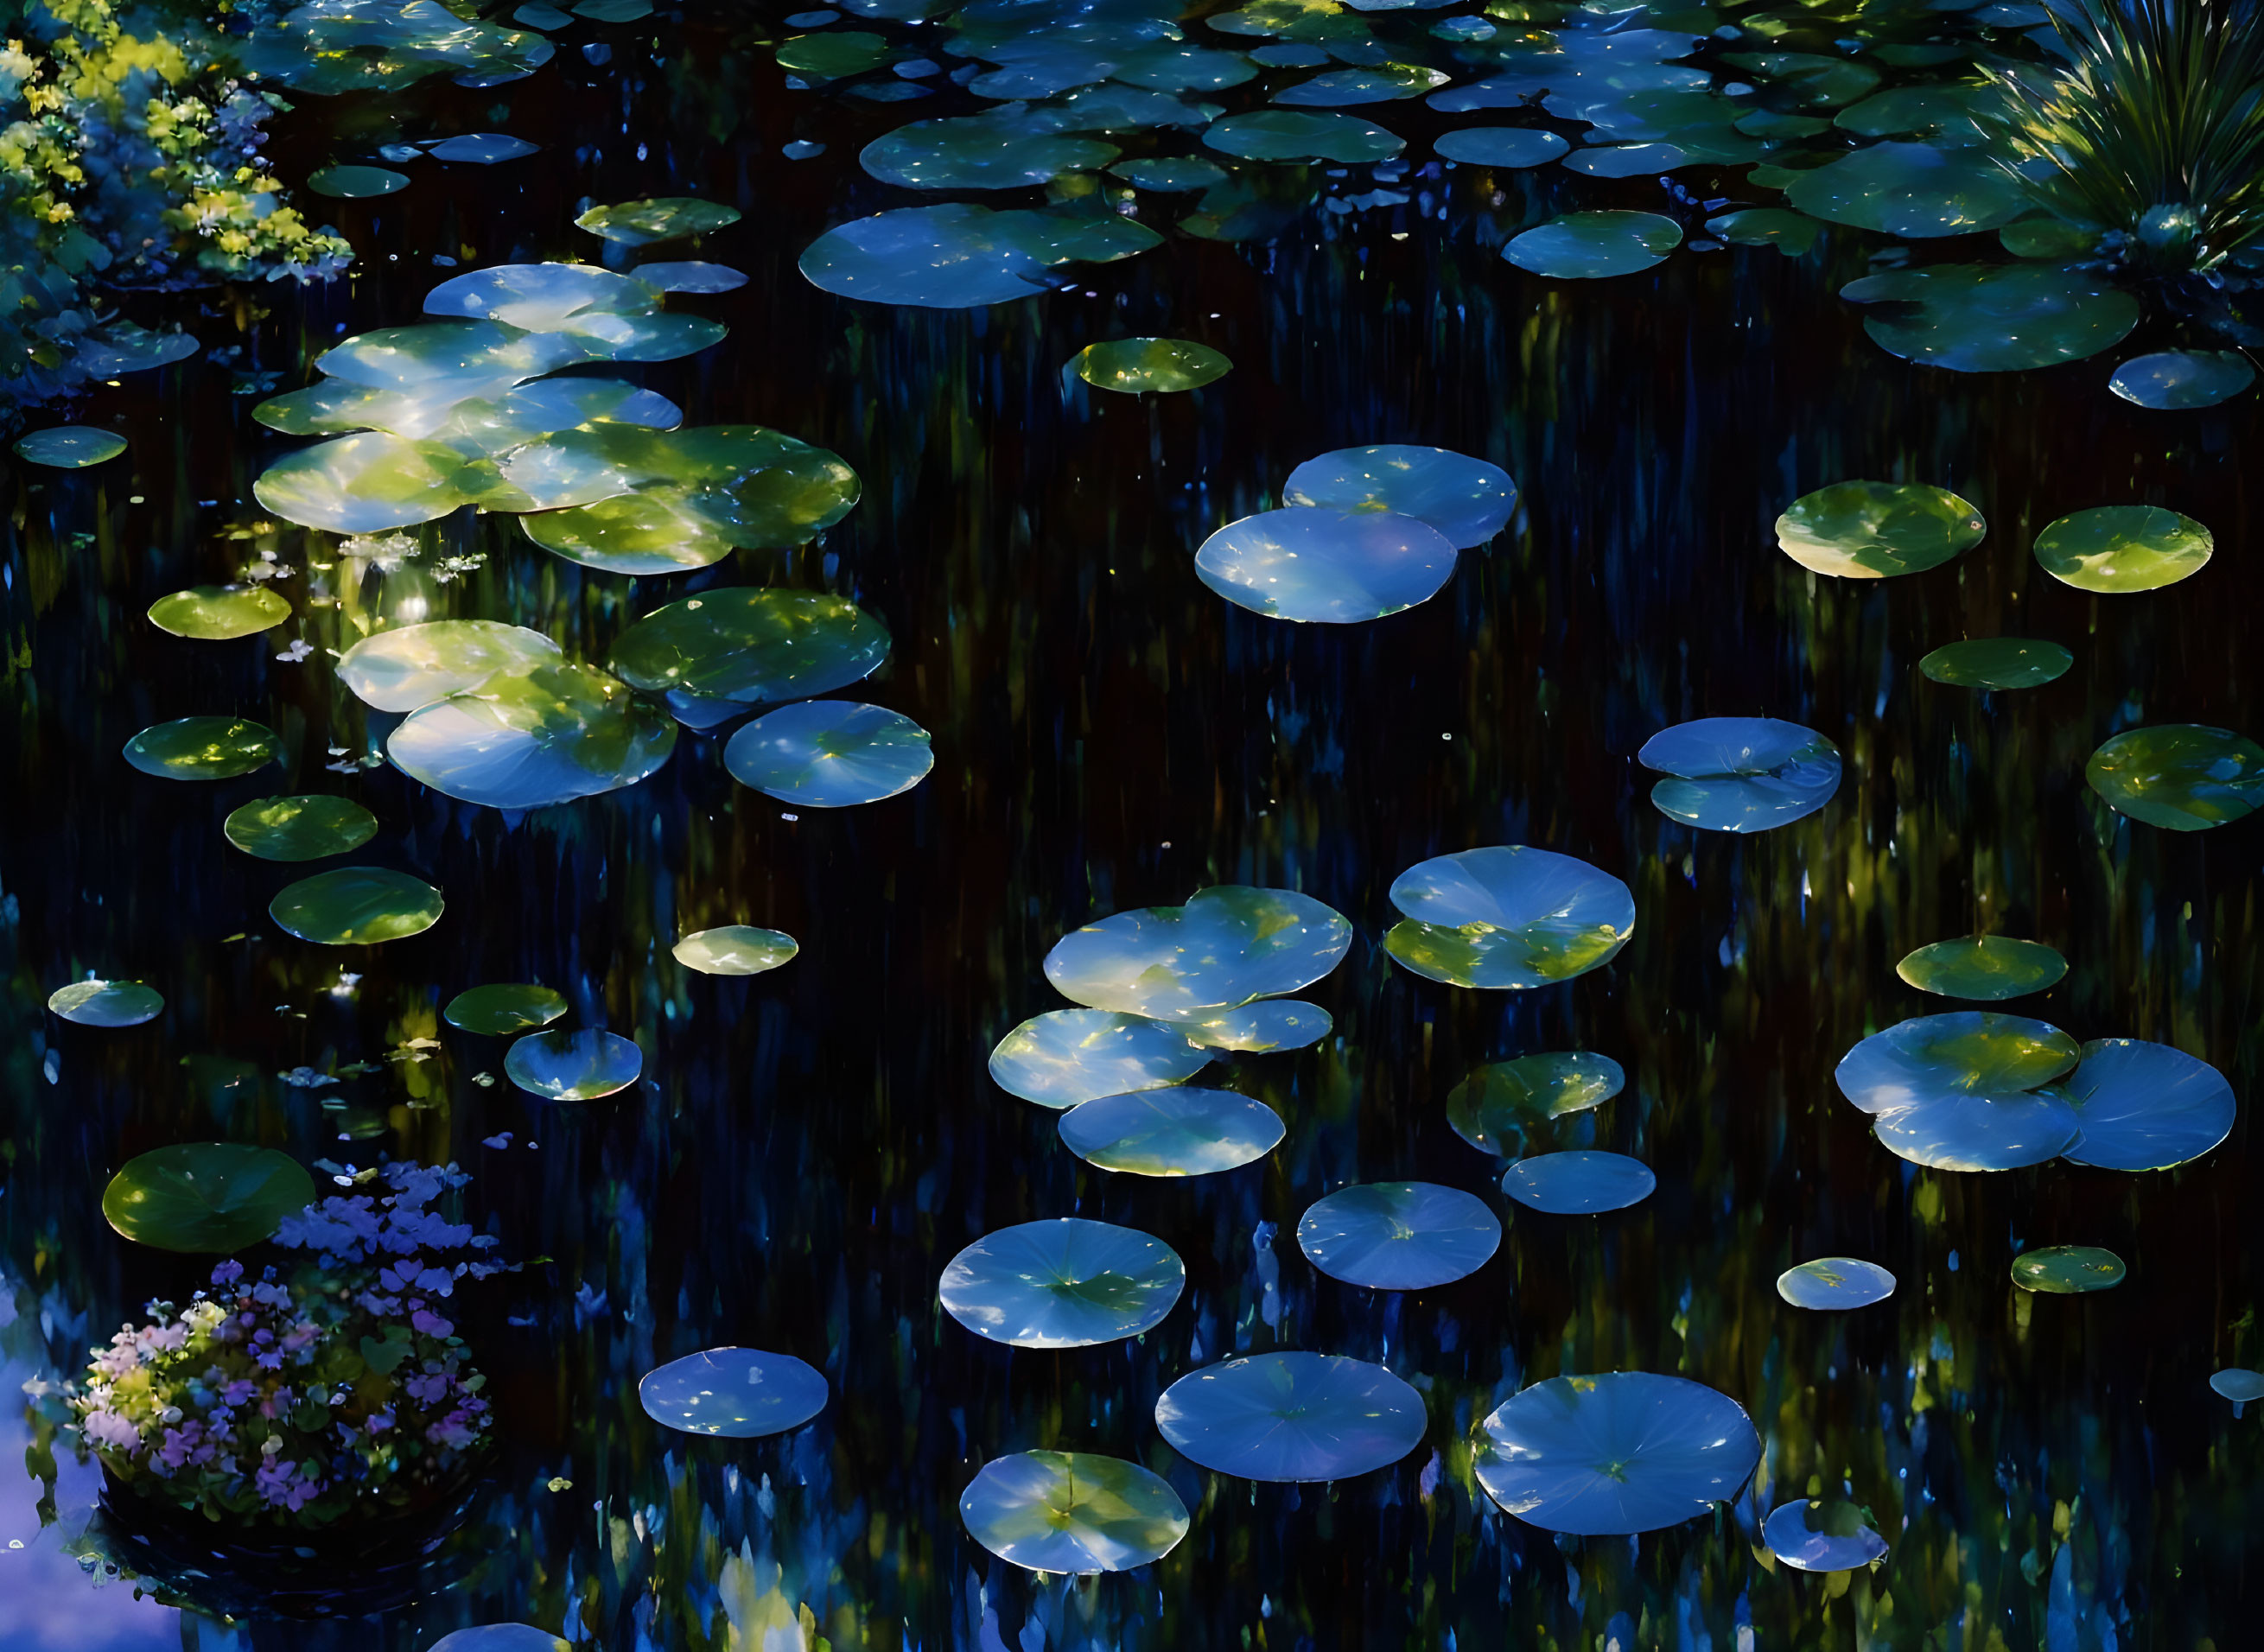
(2153, 127)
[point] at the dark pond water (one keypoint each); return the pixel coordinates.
(807, 1148)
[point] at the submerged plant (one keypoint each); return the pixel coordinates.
(2150, 131)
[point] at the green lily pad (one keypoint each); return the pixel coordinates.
(1292, 134)
(216, 613)
(1992, 318)
(652, 530)
(300, 828)
(107, 1002)
(1943, 115)
(1872, 530)
(746, 645)
(574, 1065)
(211, 1197)
(367, 483)
(69, 446)
(2169, 380)
(355, 182)
(1170, 174)
(993, 150)
(2048, 239)
(531, 739)
(1072, 1512)
(2119, 548)
(1997, 662)
(414, 665)
(203, 748)
(1495, 1106)
(834, 55)
(1137, 366)
(638, 223)
(1791, 233)
(504, 1007)
(2067, 1270)
(1589, 246)
(357, 906)
(1500, 146)
(734, 949)
(1984, 967)
(2181, 777)
(1911, 190)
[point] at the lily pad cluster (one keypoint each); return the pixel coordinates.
(1511, 917)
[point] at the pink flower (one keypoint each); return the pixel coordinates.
(107, 1428)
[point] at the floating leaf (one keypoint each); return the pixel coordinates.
(356, 906)
(1140, 365)
(2239, 1385)
(203, 748)
(1872, 530)
(1500, 146)
(2067, 1270)
(300, 828)
(1986, 967)
(1261, 1028)
(217, 613)
(411, 666)
(2123, 547)
(212, 1197)
(1813, 1535)
(1289, 135)
(829, 754)
(531, 739)
(1911, 190)
(366, 483)
(1067, 1283)
(2145, 1107)
(503, 1009)
(1992, 318)
(69, 446)
(997, 150)
(2181, 777)
(746, 645)
(1071, 1512)
(734, 1392)
(1510, 916)
(690, 276)
(1835, 1283)
(1229, 945)
(639, 223)
(1465, 500)
(1578, 1183)
(1398, 1236)
(1325, 567)
(1068, 1057)
(2170, 380)
(1589, 246)
(111, 1003)
(1172, 1131)
(573, 1066)
(1997, 662)
(1616, 1454)
(1292, 1416)
(1495, 1106)
(734, 949)
(960, 257)
(355, 182)
(1741, 774)
(1791, 233)
(480, 148)
(1968, 1052)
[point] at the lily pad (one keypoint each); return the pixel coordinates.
(1292, 134)
(203, 748)
(1997, 662)
(1965, 1052)
(1263, 1027)
(218, 613)
(1141, 366)
(581, 1065)
(2123, 547)
(1814, 1535)
(736, 949)
(505, 1637)
(1067, 1283)
(531, 739)
(829, 754)
(1589, 246)
(1508, 918)
(210, 1197)
(1835, 1283)
(1494, 1107)
(411, 666)
(1292, 1416)
(640, 223)
(1872, 530)
(1972, 1132)
(2239, 1385)
(1616, 1454)
(367, 484)
(503, 1009)
(1465, 500)
(1002, 149)
(111, 1003)
(1984, 967)
(1500, 146)
(1741, 774)
(1172, 1131)
(69, 446)
(1072, 1512)
(2181, 777)
(355, 182)
(1994, 317)
(2172, 380)
(2145, 1107)
(691, 275)
(1229, 945)
(747, 645)
(961, 257)
(1580, 1183)
(732, 1393)
(480, 148)
(1067, 1057)
(2067, 1270)
(1398, 1236)
(1911, 190)
(357, 906)
(1325, 567)
(1792, 234)
(300, 828)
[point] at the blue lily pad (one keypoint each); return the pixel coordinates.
(2172, 380)
(1466, 500)
(482, 148)
(1325, 567)
(2180, 776)
(961, 256)
(2145, 1107)
(1589, 246)
(1616, 1454)
(1965, 1052)
(1813, 1535)
(1174, 1130)
(2005, 1132)
(1835, 1282)
(1580, 1182)
(532, 739)
(1741, 774)
(1398, 1236)
(1508, 918)
(736, 1393)
(1261, 1028)
(1227, 945)
(1500, 146)
(2239, 1384)
(1072, 1512)
(1067, 1057)
(1292, 1416)
(107, 1002)
(503, 1637)
(829, 754)
(1067, 1283)
(574, 1065)
(1292, 134)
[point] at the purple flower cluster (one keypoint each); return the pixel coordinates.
(300, 1400)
